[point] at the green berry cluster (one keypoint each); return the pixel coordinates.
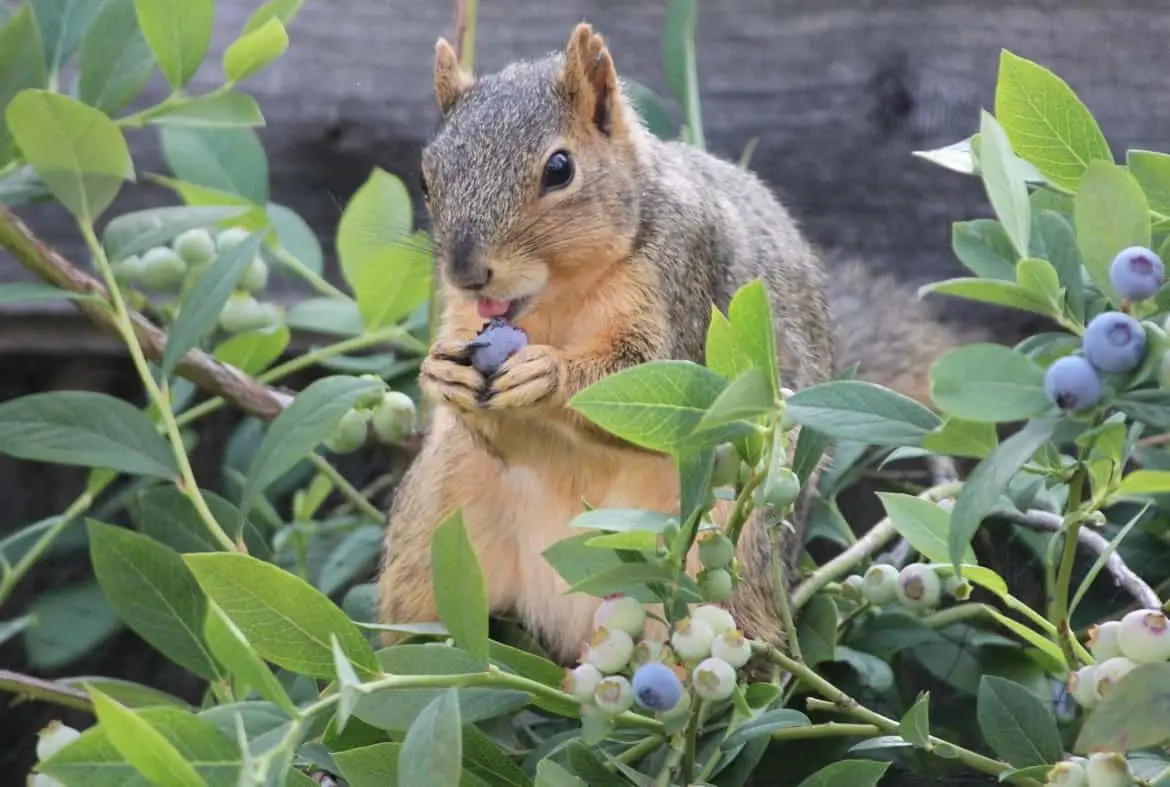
(917, 587)
(717, 577)
(1101, 769)
(619, 668)
(390, 415)
(1119, 646)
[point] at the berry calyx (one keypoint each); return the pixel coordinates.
(648, 651)
(657, 687)
(614, 695)
(919, 587)
(733, 647)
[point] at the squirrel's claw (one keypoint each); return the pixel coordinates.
(450, 382)
(530, 377)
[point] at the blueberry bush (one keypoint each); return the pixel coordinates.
(259, 587)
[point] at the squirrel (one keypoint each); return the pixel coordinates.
(553, 207)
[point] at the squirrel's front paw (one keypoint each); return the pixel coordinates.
(530, 377)
(446, 376)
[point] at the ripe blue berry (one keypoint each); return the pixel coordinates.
(1114, 342)
(497, 342)
(656, 687)
(1137, 273)
(1072, 383)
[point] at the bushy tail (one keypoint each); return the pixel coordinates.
(881, 325)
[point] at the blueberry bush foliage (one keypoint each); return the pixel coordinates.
(258, 586)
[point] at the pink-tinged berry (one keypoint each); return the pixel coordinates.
(1108, 769)
(581, 681)
(614, 695)
(881, 584)
(1109, 672)
(719, 619)
(657, 687)
(1082, 685)
(1144, 636)
(54, 737)
(919, 587)
(733, 647)
(648, 651)
(692, 639)
(714, 679)
(1103, 640)
(1067, 774)
(609, 649)
(621, 612)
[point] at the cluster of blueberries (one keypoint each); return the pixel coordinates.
(1114, 342)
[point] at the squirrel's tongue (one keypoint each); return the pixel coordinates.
(492, 307)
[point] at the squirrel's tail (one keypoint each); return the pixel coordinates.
(881, 325)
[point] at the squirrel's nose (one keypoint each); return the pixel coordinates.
(470, 276)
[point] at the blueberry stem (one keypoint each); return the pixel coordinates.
(1058, 612)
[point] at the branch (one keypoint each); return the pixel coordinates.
(46, 690)
(1123, 575)
(197, 366)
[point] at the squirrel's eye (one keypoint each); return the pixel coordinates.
(558, 172)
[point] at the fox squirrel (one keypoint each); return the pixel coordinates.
(554, 207)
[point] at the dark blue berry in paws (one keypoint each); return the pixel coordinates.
(1072, 383)
(656, 687)
(497, 342)
(1114, 342)
(1137, 273)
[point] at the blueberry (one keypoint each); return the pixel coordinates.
(1137, 273)
(1114, 342)
(497, 342)
(1072, 383)
(656, 687)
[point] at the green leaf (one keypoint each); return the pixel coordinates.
(748, 397)
(223, 111)
(764, 724)
(227, 159)
(134, 233)
(152, 590)
(63, 23)
(1053, 231)
(1152, 172)
(78, 152)
(654, 405)
(22, 66)
(848, 773)
(377, 217)
(30, 291)
(253, 352)
(201, 307)
(574, 562)
(677, 31)
(170, 518)
(550, 774)
(143, 746)
(1004, 183)
(1145, 482)
(234, 651)
(287, 621)
(331, 316)
(622, 520)
(1046, 122)
(392, 282)
(296, 236)
(984, 247)
(915, 725)
(1040, 279)
(87, 429)
(1135, 715)
(623, 577)
(863, 412)
(723, 354)
(458, 583)
(1016, 725)
(70, 622)
(924, 524)
(179, 33)
(284, 10)
(988, 383)
(255, 49)
(1001, 293)
(116, 61)
(370, 766)
(130, 694)
(432, 751)
(988, 481)
(750, 313)
(354, 554)
(817, 630)
(956, 437)
(1110, 213)
(299, 429)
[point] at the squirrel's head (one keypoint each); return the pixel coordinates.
(532, 176)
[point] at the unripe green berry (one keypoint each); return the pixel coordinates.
(692, 639)
(779, 490)
(255, 276)
(1103, 640)
(394, 417)
(196, 247)
(625, 613)
(716, 584)
(128, 269)
(719, 619)
(609, 649)
(958, 587)
(351, 432)
(714, 679)
(919, 587)
(1144, 636)
(1082, 685)
(230, 238)
(581, 681)
(53, 737)
(373, 397)
(1108, 769)
(733, 647)
(715, 549)
(161, 268)
(881, 584)
(649, 650)
(1109, 672)
(614, 695)
(1067, 774)
(851, 587)
(242, 313)
(727, 464)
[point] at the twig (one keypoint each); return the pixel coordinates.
(878, 535)
(46, 690)
(942, 471)
(1123, 575)
(197, 366)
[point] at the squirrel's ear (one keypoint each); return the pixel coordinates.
(591, 80)
(451, 81)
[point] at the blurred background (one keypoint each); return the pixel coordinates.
(838, 92)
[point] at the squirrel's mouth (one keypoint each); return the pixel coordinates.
(488, 308)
